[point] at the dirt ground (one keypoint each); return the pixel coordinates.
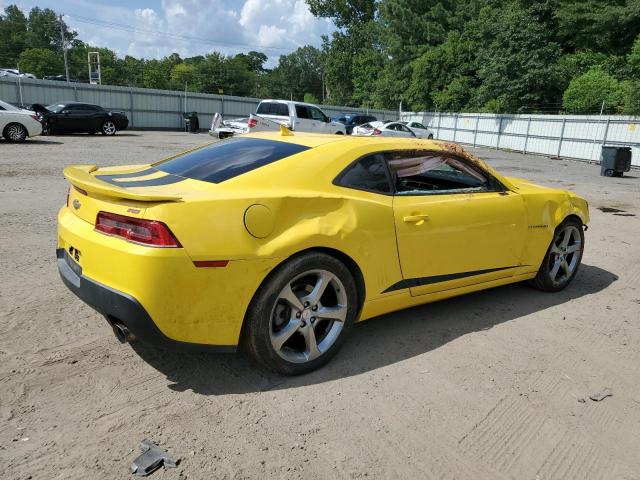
(485, 386)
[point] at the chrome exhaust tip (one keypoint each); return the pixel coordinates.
(122, 333)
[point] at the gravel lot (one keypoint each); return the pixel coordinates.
(485, 386)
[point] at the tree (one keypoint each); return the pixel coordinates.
(40, 62)
(298, 73)
(586, 92)
(44, 30)
(13, 33)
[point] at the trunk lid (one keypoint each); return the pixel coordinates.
(126, 191)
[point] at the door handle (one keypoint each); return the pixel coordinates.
(417, 219)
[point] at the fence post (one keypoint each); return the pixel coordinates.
(475, 130)
(438, 128)
(499, 132)
(455, 128)
(131, 105)
(564, 121)
(606, 132)
(526, 138)
(221, 106)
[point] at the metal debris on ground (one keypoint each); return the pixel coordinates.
(152, 458)
(596, 397)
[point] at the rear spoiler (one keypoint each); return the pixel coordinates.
(80, 176)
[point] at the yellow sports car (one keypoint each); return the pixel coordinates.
(280, 242)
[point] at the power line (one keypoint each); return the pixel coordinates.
(189, 38)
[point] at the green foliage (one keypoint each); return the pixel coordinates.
(450, 55)
(13, 35)
(586, 92)
(310, 98)
(40, 61)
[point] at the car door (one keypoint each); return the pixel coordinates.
(304, 122)
(456, 225)
(94, 117)
(321, 122)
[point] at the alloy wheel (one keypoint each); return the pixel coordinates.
(109, 128)
(16, 133)
(565, 254)
(308, 316)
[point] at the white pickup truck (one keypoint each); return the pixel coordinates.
(270, 114)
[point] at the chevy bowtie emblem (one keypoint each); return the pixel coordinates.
(76, 204)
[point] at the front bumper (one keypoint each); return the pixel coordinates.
(118, 307)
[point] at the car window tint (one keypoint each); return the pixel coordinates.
(302, 111)
(317, 114)
(273, 108)
(2, 108)
(368, 173)
(229, 158)
(424, 172)
(418, 125)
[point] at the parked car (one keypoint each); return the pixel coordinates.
(62, 78)
(351, 120)
(366, 129)
(228, 128)
(296, 116)
(389, 129)
(12, 72)
(16, 124)
(419, 129)
(69, 117)
(283, 241)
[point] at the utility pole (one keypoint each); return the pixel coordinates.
(64, 48)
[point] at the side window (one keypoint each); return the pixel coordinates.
(424, 173)
(302, 111)
(317, 114)
(369, 173)
(419, 125)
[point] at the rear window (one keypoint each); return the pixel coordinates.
(228, 158)
(273, 108)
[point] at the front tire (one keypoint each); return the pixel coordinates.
(563, 257)
(15, 133)
(108, 128)
(300, 316)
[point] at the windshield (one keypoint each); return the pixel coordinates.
(56, 107)
(229, 158)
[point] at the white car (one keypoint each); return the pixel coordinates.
(387, 129)
(16, 124)
(419, 129)
(296, 116)
(366, 129)
(12, 72)
(228, 128)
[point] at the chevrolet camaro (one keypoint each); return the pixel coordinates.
(280, 242)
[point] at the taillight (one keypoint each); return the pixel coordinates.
(252, 122)
(68, 193)
(136, 230)
(376, 132)
(35, 117)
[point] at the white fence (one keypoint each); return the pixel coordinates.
(573, 136)
(145, 107)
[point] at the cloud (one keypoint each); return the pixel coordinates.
(162, 27)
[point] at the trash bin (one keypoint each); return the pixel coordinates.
(191, 122)
(614, 161)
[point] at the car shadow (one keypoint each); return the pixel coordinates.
(33, 141)
(375, 343)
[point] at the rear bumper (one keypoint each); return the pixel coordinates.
(118, 307)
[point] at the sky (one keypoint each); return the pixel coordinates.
(275, 27)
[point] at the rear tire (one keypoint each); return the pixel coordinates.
(430, 137)
(609, 173)
(563, 257)
(15, 133)
(300, 316)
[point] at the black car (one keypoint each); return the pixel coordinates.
(350, 120)
(69, 117)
